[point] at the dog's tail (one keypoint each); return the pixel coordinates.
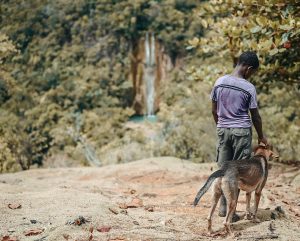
(203, 190)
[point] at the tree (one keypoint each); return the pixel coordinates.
(272, 29)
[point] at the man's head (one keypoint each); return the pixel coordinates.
(248, 63)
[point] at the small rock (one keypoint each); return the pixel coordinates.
(123, 206)
(149, 208)
(113, 210)
(135, 203)
(78, 221)
(124, 212)
(274, 215)
(272, 227)
(33, 221)
(136, 222)
(132, 191)
(279, 209)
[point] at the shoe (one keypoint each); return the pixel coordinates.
(235, 218)
(222, 213)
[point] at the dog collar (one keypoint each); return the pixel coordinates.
(259, 155)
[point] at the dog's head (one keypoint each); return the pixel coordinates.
(265, 150)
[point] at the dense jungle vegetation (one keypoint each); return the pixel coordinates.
(65, 88)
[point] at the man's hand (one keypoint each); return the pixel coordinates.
(263, 140)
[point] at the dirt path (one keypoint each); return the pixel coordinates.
(51, 199)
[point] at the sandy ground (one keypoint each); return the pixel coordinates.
(163, 189)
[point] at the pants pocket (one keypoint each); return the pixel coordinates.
(242, 142)
(220, 141)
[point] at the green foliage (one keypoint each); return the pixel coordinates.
(6, 47)
(15, 148)
(72, 72)
(75, 59)
(188, 131)
(271, 28)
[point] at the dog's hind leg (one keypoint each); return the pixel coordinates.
(215, 198)
(230, 190)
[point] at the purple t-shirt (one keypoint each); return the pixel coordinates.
(234, 97)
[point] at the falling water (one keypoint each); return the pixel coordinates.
(149, 74)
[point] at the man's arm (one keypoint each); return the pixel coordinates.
(256, 120)
(214, 111)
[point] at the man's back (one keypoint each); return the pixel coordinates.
(234, 97)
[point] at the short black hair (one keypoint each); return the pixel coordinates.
(249, 58)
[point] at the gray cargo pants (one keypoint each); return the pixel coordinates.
(232, 144)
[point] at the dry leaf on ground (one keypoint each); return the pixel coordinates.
(8, 238)
(32, 232)
(14, 205)
(104, 229)
(135, 203)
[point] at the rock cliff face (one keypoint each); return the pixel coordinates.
(149, 68)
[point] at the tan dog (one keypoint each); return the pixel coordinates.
(248, 175)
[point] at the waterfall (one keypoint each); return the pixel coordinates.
(149, 73)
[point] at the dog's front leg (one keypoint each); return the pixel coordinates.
(249, 215)
(256, 202)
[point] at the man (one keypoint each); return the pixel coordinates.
(232, 98)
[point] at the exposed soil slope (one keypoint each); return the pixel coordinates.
(143, 200)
